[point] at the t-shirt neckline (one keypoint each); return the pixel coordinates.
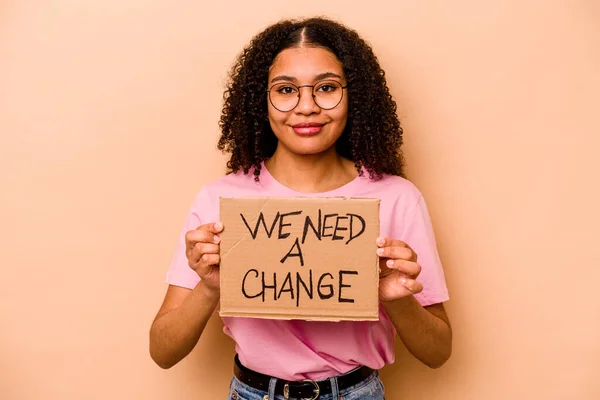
(268, 181)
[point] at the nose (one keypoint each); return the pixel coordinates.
(306, 104)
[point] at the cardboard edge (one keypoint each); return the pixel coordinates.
(301, 198)
(327, 318)
(286, 317)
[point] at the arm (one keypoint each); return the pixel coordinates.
(425, 331)
(180, 323)
(184, 313)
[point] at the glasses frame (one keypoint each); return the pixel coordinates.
(312, 93)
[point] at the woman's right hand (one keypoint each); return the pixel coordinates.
(202, 251)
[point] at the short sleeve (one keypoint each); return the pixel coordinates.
(419, 235)
(179, 272)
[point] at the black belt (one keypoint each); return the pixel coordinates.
(307, 389)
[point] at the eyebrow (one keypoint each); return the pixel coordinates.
(319, 77)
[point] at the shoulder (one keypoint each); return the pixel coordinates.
(230, 185)
(394, 189)
(237, 179)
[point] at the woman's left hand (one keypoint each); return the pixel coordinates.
(399, 270)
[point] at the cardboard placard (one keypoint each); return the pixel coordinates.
(299, 258)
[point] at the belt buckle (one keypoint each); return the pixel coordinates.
(317, 390)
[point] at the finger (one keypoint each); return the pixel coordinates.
(395, 252)
(412, 285)
(200, 249)
(201, 262)
(208, 260)
(200, 236)
(213, 227)
(207, 248)
(387, 242)
(384, 270)
(410, 268)
(204, 263)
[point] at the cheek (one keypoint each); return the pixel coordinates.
(340, 114)
(341, 111)
(276, 121)
(275, 117)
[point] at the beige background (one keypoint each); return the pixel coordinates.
(108, 120)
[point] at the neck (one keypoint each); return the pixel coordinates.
(312, 173)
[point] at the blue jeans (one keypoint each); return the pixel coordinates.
(369, 389)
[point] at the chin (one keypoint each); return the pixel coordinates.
(307, 152)
(307, 149)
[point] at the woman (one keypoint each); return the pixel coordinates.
(308, 113)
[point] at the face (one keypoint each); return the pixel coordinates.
(307, 129)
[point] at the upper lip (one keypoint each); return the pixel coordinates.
(307, 125)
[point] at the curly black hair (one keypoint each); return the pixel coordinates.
(373, 135)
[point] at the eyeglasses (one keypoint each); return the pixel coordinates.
(286, 96)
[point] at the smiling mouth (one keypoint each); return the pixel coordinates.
(307, 128)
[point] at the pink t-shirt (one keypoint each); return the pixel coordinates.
(295, 349)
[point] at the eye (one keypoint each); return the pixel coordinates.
(328, 87)
(285, 89)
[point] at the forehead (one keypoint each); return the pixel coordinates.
(305, 63)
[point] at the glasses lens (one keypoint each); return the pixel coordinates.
(328, 94)
(284, 96)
